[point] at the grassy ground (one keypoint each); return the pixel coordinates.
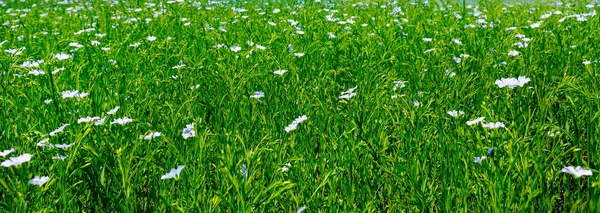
(375, 82)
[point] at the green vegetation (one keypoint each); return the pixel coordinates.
(392, 93)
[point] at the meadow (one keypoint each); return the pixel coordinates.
(299, 106)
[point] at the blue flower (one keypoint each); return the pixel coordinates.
(490, 151)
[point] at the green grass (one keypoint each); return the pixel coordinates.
(369, 153)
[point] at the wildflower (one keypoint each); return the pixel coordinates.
(258, 95)
(578, 171)
(36, 72)
(429, 50)
(173, 173)
(490, 151)
(188, 131)
(299, 54)
(286, 167)
(512, 82)
(87, 119)
(479, 159)
(62, 56)
(29, 64)
(290, 48)
(235, 48)
(458, 16)
(151, 38)
(59, 157)
(6, 152)
(260, 47)
(477, 120)
(95, 43)
(114, 110)
(513, 53)
(301, 209)
(121, 121)
(58, 130)
(74, 94)
(522, 80)
(44, 143)
(48, 101)
(456, 41)
(455, 113)
(587, 62)
(295, 123)
(135, 44)
(279, 72)
(427, 39)
(416, 103)
(348, 93)
(276, 10)
(493, 125)
(151, 136)
(536, 25)
(63, 146)
(244, 170)
(100, 121)
(15, 161)
(37, 180)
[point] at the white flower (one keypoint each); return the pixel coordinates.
(513, 53)
(6, 152)
(456, 41)
(235, 48)
(135, 44)
(188, 131)
(121, 121)
(74, 94)
(151, 136)
(493, 125)
(286, 167)
(479, 159)
(62, 56)
(299, 54)
(348, 93)
(173, 173)
(100, 121)
(455, 113)
(427, 39)
(512, 82)
(578, 171)
(587, 62)
(48, 101)
(37, 180)
(15, 161)
(36, 72)
(279, 72)
(63, 146)
(260, 47)
(151, 38)
(87, 119)
(258, 95)
(44, 143)
(114, 110)
(301, 209)
(477, 120)
(276, 10)
(522, 80)
(59, 157)
(95, 43)
(58, 130)
(536, 25)
(295, 123)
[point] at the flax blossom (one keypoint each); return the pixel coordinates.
(476, 121)
(188, 131)
(577, 172)
(279, 72)
(151, 136)
(348, 93)
(493, 125)
(87, 119)
(62, 56)
(480, 159)
(258, 95)
(58, 130)
(114, 110)
(74, 94)
(513, 53)
(455, 113)
(122, 121)
(173, 173)
(512, 82)
(15, 161)
(6, 152)
(295, 123)
(37, 180)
